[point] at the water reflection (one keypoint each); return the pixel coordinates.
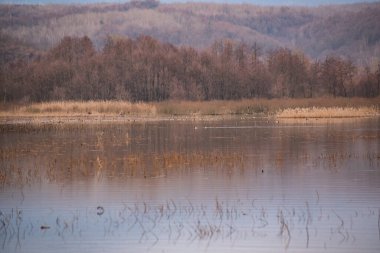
(220, 186)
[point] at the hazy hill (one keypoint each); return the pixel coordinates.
(351, 31)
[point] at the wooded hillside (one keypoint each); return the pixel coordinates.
(143, 51)
(350, 31)
(145, 69)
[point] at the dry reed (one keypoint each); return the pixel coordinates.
(283, 108)
(76, 108)
(332, 112)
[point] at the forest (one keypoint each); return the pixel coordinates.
(143, 50)
(349, 31)
(145, 69)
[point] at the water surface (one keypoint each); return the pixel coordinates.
(189, 186)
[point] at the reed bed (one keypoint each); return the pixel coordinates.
(76, 108)
(329, 112)
(283, 108)
(265, 107)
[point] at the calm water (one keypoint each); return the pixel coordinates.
(188, 186)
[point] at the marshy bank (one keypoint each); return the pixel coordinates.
(87, 111)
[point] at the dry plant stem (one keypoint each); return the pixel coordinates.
(308, 221)
(281, 108)
(332, 112)
(378, 223)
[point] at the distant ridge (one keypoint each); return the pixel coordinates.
(351, 31)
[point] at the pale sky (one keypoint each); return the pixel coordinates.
(260, 2)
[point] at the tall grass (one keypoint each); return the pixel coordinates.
(75, 108)
(265, 107)
(329, 112)
(284, 108)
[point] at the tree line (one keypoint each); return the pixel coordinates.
(145, 69)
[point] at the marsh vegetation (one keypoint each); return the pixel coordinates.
(214, 186)
(282, 108)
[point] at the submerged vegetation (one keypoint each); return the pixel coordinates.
(130, 166)
(165, 223)
(151, 226)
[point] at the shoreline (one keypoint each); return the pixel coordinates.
(118, 111)
(42, 123)
(98, 119)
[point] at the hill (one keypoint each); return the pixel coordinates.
(351, 31)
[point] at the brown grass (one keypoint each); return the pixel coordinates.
(282, 108)
(75, 108)
(329, 112)
(270, 107)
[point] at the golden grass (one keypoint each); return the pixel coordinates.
(267, 107)
(329, 112)
(76, 108)
(282, 108)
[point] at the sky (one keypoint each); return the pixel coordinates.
(260, 2)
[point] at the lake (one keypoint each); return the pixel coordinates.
(233, 185)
